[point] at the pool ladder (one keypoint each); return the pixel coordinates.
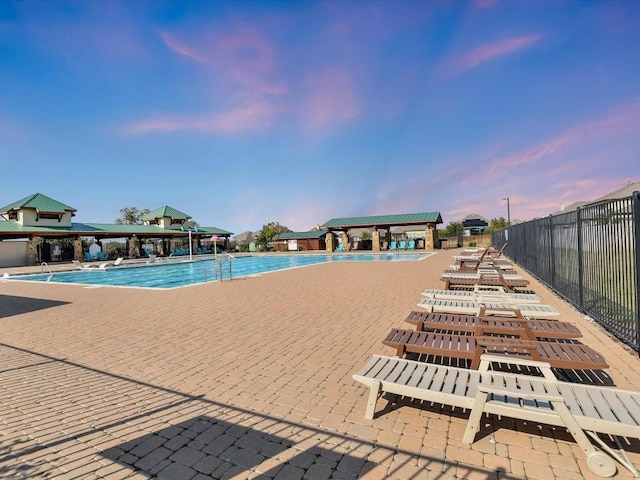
(42, 267)
(218, 267)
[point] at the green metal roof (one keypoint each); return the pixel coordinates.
(385, 220)
(302, 235)
(12, 228)
(41, 203)
(166, 211)
(214, 231)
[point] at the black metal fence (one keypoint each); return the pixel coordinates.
(589, 257)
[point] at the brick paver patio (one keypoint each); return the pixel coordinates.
(248, 378)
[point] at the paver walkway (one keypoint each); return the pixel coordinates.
(247, 379)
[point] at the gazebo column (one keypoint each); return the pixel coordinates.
(77, 250)
(330, 240)
(375, 240)
(134, 247)
(32, 251)
(345, 239)
(429, 238)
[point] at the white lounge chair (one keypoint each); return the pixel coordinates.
(80, 266)
(532, 310)
(481, 296)
(582, 409)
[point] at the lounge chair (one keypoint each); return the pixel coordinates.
(476, 275)
(88, 257)
(486, 262)
(81, 266)
(519, 310)
(412, 245)
(509, 282)
(393, 246)
(340, 247)
(531, 329)
(569, 356)
(582, 409)
(480, 296)
(403, 245)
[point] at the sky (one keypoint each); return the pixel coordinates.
(239, 113)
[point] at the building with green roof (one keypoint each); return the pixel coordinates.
(383, 223)
(294, 241)
(43, 221)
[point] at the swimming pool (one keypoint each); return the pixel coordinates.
(179, 274)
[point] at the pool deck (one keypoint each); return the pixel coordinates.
(249, 378)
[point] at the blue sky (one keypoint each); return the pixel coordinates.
(240, 113)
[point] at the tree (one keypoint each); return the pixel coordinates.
(131, 216)
(496, 224)
(190, 224)
(269, 232)
(453, 229)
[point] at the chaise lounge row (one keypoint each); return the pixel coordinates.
(488, 324)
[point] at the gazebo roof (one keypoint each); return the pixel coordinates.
(384, 220)
(166, 211)
(39, 202)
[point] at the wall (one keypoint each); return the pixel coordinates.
(27, 216)
(480, 240)
(13, 253)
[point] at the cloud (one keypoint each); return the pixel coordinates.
(463, 62)
(255, 117)
(582, 162)
(620, 122)
(244, 59)
(180, 48)
(329, 98)
(485, 3)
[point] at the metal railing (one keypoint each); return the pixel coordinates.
(218, 265)
(589, 257)
(42, 267)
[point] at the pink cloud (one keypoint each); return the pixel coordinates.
(583, 162)
(618, 123)
(244, 59)
(330, 98)
(485, 53)
(250, 118)
(485, 3)
(180, 48)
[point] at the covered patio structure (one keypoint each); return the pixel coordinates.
(383, 223)
(38, 228)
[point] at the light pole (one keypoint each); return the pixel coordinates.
(190, 247)
(508, 211)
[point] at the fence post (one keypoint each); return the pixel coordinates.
(552, 252)
(580, 265)
(635, 204)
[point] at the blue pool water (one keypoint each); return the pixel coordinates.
(179, 274)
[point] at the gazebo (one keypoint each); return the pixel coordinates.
(428, 220)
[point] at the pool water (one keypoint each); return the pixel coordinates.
(180, 274)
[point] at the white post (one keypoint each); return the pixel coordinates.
(190, 253)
